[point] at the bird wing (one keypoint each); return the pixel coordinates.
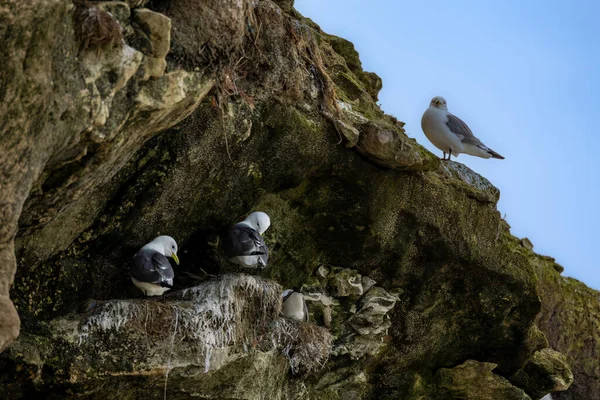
(242, 240)
(263, 258)
(152, 267)
(462, 130)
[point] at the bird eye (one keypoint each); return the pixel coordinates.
(173, 247)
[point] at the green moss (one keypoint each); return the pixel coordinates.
(348, 83)
(434, 237)
(346, 49)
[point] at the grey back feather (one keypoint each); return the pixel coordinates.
(461, 129)
(152, 267)
(241, 240)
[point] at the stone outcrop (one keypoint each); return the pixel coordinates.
(476, 380)
(71, 118)
(192, 118)
(546, 371)
(570, 319)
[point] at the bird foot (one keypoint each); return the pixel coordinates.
(207, 274)
(198, 277)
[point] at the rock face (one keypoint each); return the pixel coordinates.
(547, 371)
(570, 318)
(476, 380)
(181, 125)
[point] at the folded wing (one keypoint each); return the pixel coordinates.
(242, 240)
(458, 127)
(152, 267)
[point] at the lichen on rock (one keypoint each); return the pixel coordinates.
(546, 371)
(476, 380)
(199, 116)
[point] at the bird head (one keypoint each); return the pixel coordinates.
(439, 102)
(259, 221)
(167, 246)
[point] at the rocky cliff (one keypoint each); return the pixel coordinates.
(123, 120)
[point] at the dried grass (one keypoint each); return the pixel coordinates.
(227, 311)
(306, 346)
(96, 28)
(231, 310)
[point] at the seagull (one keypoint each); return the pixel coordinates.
(450, 134)
(244, 244)
(294, 306)
(150, 270)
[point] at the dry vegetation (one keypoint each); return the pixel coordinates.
(306, 346)
(232, 310)
(96, 28)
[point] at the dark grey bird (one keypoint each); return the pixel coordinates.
(244, 245)
(150, 270)
(294, 306)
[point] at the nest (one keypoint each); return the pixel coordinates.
(96, 28)
(306, 346)
(229, 310)
(232, 310)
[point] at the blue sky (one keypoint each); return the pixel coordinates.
(525, 76)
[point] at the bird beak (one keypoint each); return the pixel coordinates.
(175, 258)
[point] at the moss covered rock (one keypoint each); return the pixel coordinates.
(546, 371)
(405, 261)
(570, 320)
(475, 380)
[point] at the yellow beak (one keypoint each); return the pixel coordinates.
(175, 258)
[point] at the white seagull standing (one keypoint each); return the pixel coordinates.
(450, 134)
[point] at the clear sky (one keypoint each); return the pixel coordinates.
(524, 75)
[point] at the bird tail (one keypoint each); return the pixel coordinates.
(487, 152)
(258, 253)
(494, 154)
(262, 262)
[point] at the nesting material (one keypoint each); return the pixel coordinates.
(96, 28)
(230, 310)
(306, 346)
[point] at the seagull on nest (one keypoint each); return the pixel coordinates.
(294, 306)
(450, 134)
(244, 244)
(150, 270)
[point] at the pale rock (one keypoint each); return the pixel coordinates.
(475, 380)
(153, 67)
(371, 314)
(546, 371)
(157, 29)
(322, 271)
(389, 146)
(346, 282)
(367, 283)
(525, 242)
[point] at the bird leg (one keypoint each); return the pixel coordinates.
(207, 274)
(444, 158)
(449, 154)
